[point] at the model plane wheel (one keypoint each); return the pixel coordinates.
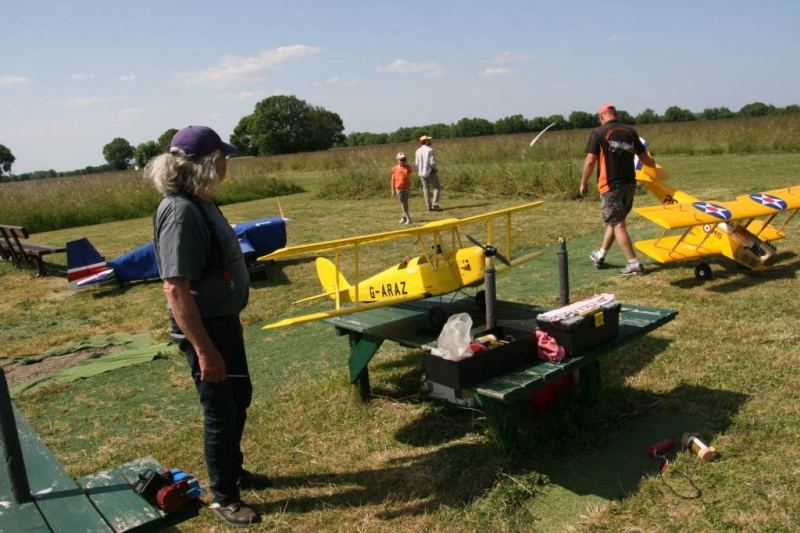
(437, 318)
(480, 300)
(703, 271)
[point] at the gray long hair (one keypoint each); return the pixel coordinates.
(175, 172)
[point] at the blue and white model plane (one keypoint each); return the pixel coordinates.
(85, 265)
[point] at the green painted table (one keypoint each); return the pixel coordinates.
(408, 325)
(103, 502)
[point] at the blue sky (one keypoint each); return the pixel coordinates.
(74, 75)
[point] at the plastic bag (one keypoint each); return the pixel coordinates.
(454, 340)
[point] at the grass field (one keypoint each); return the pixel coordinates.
(727, 367)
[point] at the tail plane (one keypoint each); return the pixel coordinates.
(85, 265)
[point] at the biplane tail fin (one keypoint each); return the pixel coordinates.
(328, 273)
(85, 265)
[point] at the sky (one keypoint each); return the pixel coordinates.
(75, 75)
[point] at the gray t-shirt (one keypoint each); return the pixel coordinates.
(184, 245)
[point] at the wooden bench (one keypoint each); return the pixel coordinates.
(102, 502)
(407, 324)
(15, 247)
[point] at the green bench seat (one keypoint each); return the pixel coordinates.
(103, 502)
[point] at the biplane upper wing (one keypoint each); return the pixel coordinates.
(428, 229)
(745, 207)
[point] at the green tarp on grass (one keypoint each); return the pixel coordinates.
(137, 349)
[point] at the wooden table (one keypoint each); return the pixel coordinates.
(102, 502)
(408, 325)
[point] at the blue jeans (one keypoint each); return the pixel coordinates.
(224, 405)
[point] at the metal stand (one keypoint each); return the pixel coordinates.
(490, 287)
(563, 272)
(12, 451)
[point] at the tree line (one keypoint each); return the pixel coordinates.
(285, 124)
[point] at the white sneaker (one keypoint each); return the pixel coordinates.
(408, 221)
(632, 270)
(402, 221)
(594, 255)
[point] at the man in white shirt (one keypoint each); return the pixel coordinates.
(426, 168)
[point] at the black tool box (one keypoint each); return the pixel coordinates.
(583, 332)
(497, 360)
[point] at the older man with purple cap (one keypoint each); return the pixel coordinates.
(613, 145)
(206, 284)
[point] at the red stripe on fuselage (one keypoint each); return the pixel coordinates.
(83, 272)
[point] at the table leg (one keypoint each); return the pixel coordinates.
(504, 415)
(590, 383)
(362, 349)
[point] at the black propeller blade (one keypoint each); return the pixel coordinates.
(489, 250)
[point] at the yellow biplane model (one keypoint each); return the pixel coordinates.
(433, 273)
(733, 229)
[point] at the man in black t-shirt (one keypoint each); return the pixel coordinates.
(613, 145)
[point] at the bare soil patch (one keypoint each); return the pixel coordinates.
(17, 373)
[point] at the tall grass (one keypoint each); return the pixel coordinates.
(58, 203)
(495, 166)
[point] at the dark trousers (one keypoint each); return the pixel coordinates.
(224, 404)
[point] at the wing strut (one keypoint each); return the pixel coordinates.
(655, 244)
(336, 280)
(706, 237)
(357, 280)
(766, 223)
(788, 219)
(685, 233)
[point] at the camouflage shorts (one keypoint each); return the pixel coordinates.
(617, 203)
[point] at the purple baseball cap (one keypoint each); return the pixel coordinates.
(200, 141)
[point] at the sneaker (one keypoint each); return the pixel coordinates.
(632, 270)
(236, 514)
(252, 480)
(594, 255)
(408, 221)
(436, 208)
(402, 220)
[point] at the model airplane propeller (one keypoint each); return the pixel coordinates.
(430, 274)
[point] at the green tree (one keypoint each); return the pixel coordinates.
(286, 124)
(145, 152)
(166, 139)
(6, 160)
(539, 123)
(582, 119)
(559, 120)
(756, 109)
(625, 117)
(648, 116)
(716, 113)
(678, 114)
(512, 124)
(118, 153)
(473, 127)
(327, 129)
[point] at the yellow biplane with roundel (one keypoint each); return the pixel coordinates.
(446, 264)
(741, 230)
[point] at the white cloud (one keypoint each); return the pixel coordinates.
(81, 77)
(495, 72)
(334, 79)
(127, 77)
(13, 80)
(356, 81)
(251, 95)
(614, 38)
(401, 66)
(86, 101)
(236, 69)
(505, 57)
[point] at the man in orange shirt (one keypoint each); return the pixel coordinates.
(614, 145)
(401, 184)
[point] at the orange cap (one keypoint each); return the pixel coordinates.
(606, 107)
